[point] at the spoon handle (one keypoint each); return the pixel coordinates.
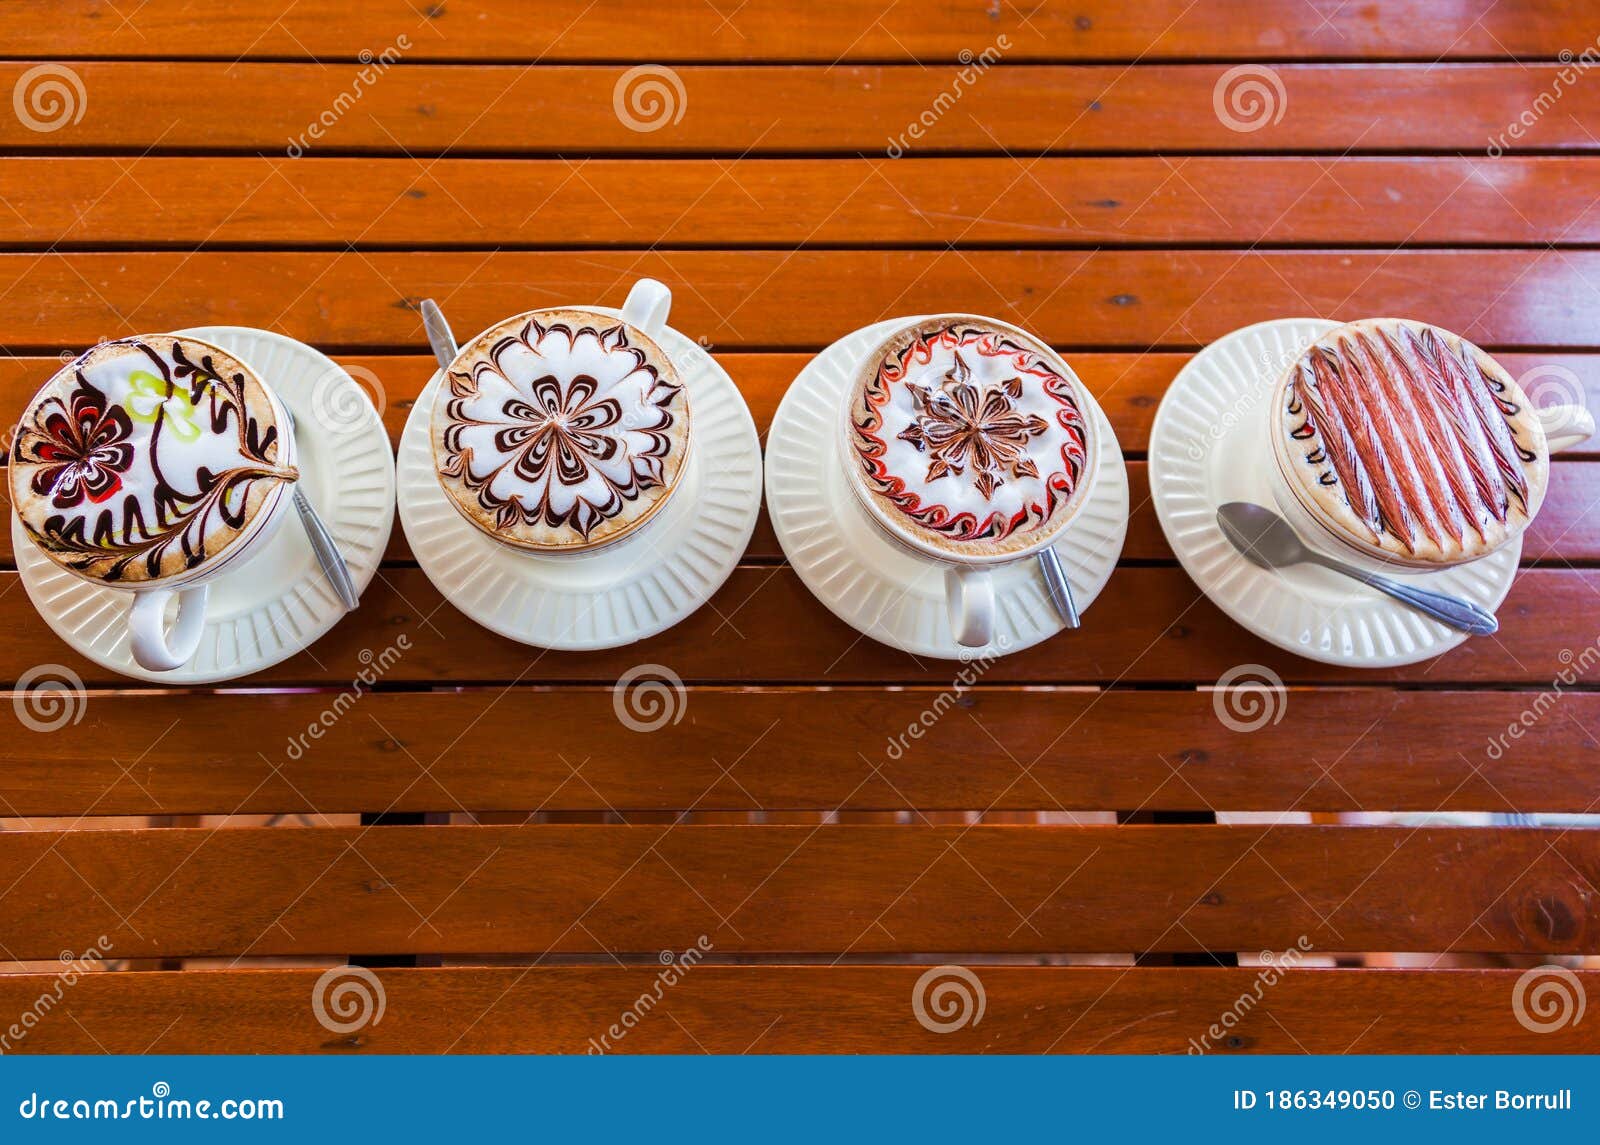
(1462, 615)
(1059, 588)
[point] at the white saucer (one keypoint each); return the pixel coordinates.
(1206, 448)
(278, 602)
(623, 592)
(874, 585)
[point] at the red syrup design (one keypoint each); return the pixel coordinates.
(1414, 434)
(996, 439)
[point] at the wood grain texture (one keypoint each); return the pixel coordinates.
(1150, 625)
(778, 749)
(827, 889)
(1506, 299)
(61, 201)
(427, 109)
(776, 30)
(802, 1009)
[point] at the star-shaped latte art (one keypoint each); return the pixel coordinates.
(958, 424)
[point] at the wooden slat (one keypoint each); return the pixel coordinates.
(778, 30)
(789, 749)
(790, 202)
(1150, 625)
(857, 889)
(428, 109)
(802, 1009)
(768, 299)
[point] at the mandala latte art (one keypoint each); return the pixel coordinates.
(146, 457)
(1411, 442)
(969, 437)
(560, 429)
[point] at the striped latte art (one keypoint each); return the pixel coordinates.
(1409, 441)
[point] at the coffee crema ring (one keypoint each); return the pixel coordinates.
(969, 437)
(145, 457)
(560, 430)
(1410, 442)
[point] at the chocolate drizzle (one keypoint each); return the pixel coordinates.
(1416, 438)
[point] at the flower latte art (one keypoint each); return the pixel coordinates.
(1411, 442)
(145, 457)
(969, 437)
(560, 429)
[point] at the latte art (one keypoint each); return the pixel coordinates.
(145, 457)
(560, 429)
(1412, 441)
(969, 436)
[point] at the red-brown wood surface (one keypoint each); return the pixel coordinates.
(776, 30)
(430, 109)
(801, 748)
(1087, 172)
(825, 889)
(799, 1009)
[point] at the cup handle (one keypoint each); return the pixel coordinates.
(969, 597)
(152, 647)
(1565, 426)
(647, 306)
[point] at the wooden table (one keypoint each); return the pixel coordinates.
(488, 832)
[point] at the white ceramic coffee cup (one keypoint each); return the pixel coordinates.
(153, 645)
(969, 577)
(1565, 426)
(646, 309)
